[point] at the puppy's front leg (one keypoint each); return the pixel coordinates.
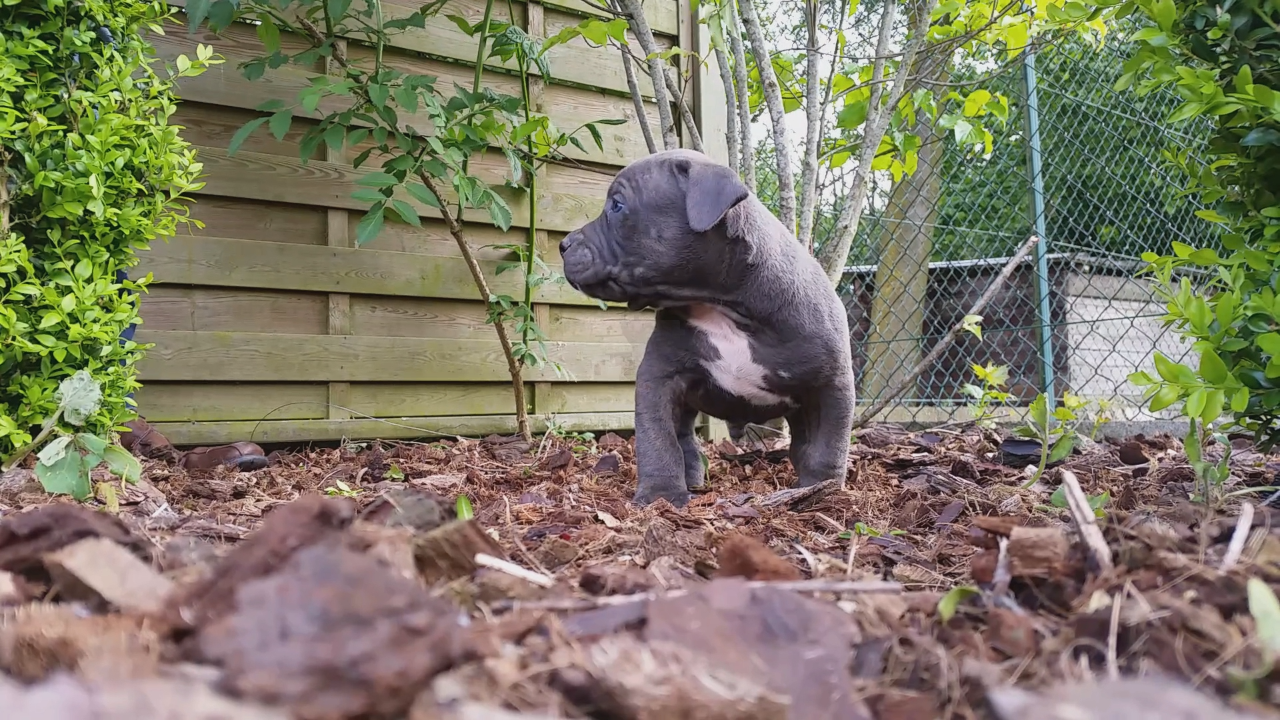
(660, 459)
(820, 437)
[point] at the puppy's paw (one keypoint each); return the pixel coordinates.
(647, 495)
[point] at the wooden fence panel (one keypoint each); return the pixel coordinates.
(270, 325)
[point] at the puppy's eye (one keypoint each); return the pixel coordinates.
(615, 206)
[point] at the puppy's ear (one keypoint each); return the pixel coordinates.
(712, 191)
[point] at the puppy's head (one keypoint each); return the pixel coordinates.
(661, 231)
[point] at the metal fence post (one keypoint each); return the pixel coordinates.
(1037, 209)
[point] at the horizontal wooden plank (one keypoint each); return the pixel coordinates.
(256, 220)
(169, 307)
(585, 397)
(573, 62)
(228, 262)
(255, 357)
(418, 428)
(383, 316)
(589, 324)
(224, 85)
(432, 399)
(205, 402)
(276, 178)
(663, 16)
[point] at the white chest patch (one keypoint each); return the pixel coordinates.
(734, 370)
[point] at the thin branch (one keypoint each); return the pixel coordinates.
(730, 109)
(878, 117)
(773, 98)
(695, 138)
(813, 128)
(909, 379)
(866, 587)
(746, 145)
(637, 100)
(482, 285)
(640, 27)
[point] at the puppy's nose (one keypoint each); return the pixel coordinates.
(568, 241)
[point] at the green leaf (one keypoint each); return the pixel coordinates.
(462, 507)
(243, 134)
(406, 212)
(54, 451)
(1214, 400)
(370, 224)
(1174, 372)
(122, 464)
(423, 195)
(1212, 368)
(1265, 610)
(280, 123)
(1195, 402)
(950, 602)
(1062, 447)
(500, 213)
(269, 34)
(79, 396)
(378, 180)
(1164, 13)
(1039, 411)
(337, 9)
(1260, 136)
(1240, 401)
(1164, 397)
(67, 476)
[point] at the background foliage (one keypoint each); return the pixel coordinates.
(91, 172)
(1223, 60)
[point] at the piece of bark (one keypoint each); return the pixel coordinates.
(449, 551)
(96, 569)
(655, 680)
(744, 556)
(63, 697)
(1038, 552)
(40, 640)
(26, 537)
(615, 580)
(333, 634)
(287, 530)
(790, 644)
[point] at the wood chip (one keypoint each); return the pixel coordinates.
(111, 572)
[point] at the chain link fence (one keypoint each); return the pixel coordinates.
(1076, 316)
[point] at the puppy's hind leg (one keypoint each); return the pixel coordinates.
(694, 474)
(820, 431)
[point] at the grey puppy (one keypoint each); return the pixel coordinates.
(748, 328)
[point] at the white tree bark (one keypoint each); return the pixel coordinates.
(747, 145)
(640, 28)
(813, 124)
(637, 100)
(695, 138)
(730, 109)
(773, 99)
(836, 252)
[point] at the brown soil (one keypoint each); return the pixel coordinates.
(277, 593)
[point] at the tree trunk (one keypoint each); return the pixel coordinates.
(740, 74)
(773, 99)
(902, 276)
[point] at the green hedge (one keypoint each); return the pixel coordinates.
(91, 173)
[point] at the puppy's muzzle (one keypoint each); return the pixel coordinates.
(581, 267)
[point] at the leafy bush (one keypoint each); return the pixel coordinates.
(90, 173)
(1223, 59)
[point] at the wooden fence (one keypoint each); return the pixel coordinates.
(270, 325)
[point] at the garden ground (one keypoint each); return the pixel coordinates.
(339, 583)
